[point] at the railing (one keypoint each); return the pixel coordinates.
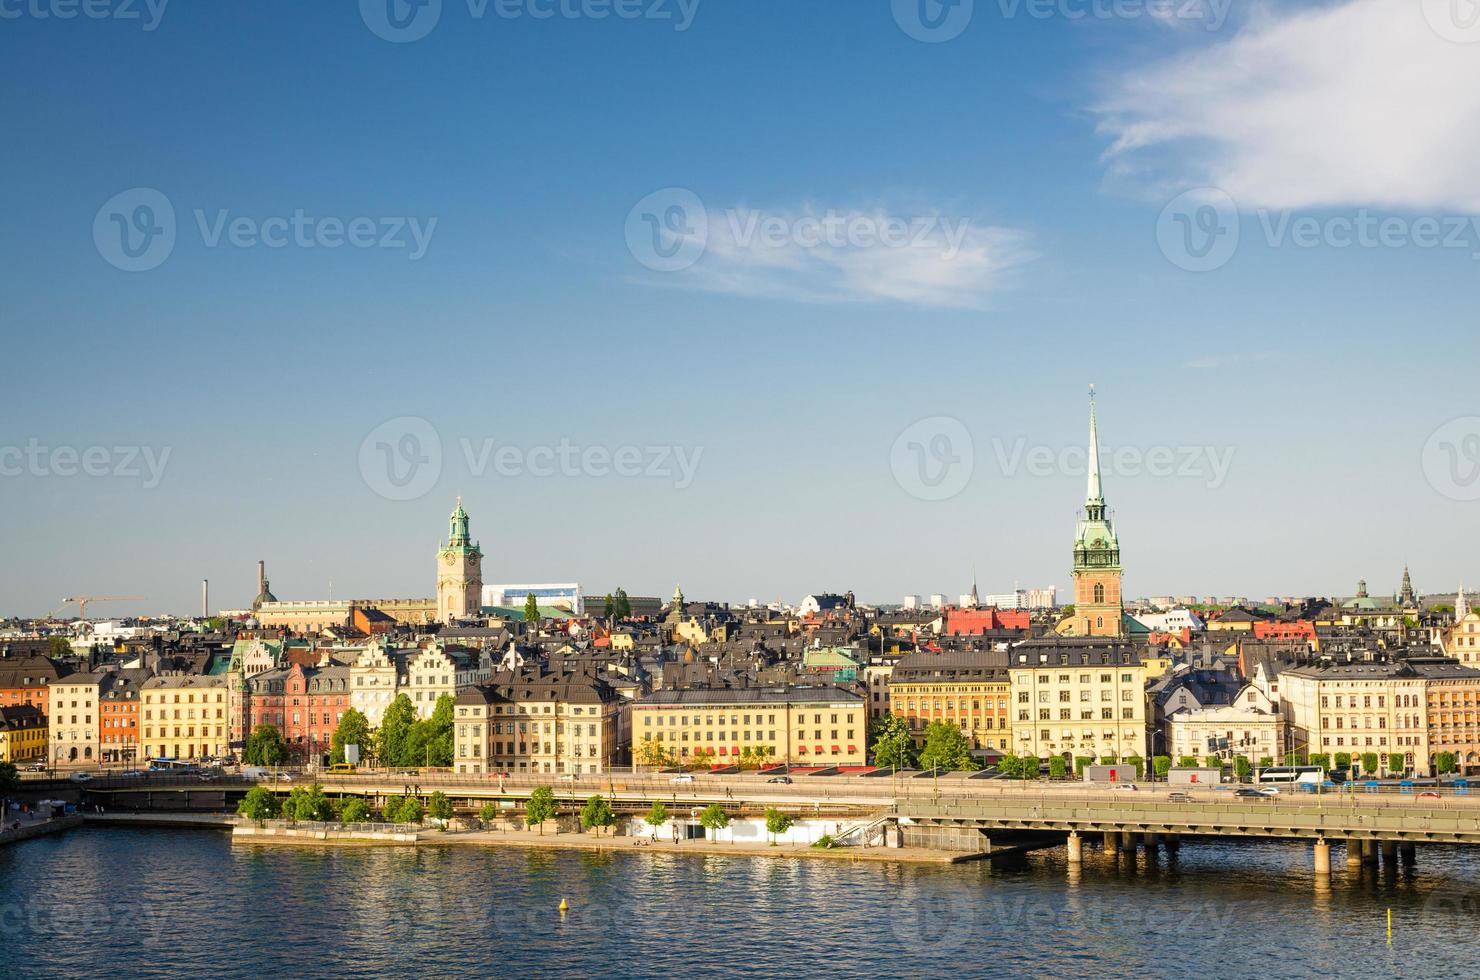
(320, 827)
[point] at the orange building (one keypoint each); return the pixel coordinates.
(118, 716)
(966, 688)
(27, 680)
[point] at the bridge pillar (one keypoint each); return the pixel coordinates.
(1323, 858)
(1409, 854)
(1389, 851)
(1353, 852)
(1153, 841)
(1128, 841)
(1112, 841)
(1369, 851)
(1076, 849)
(1174, 843)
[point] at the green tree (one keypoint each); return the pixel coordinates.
(1321, 759)
(892, 745)
(702, 759)
(1138, 762)
(541, 807)
(713, 817)
(412, 810)
(488, 812)
(436, 736)
(1242, 768)
(1343, 760)
(10, 778)
(1081, 763)
(259, 804)
(651, 752)
(531, 609)
(597, 813)
(621, 605)
(1294, 759)
(1396, 763)
(1108, 760)
(439, 807)
(607, 608)
(1186, 762)
(354, 810)
(1161, 764)
(396, 726)
(657, 816)
(1370, 763)
(1057, 767)
(1213, 762)
(1265, 761)
(353, 729)
(777, 823)
(946, 747)
(265, 747)
(58, 646)
(1445, 763)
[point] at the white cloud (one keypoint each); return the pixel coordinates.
(856, 256)
(1361, 102)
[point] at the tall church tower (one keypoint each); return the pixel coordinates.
(1097, 603)
(459, 572)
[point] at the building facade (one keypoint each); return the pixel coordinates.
(184, 716)
(72, 718)
(532, 721)
(22, 734)
(969, 689)
(1358, 708)
(1225, 732)
(1078, 697)
(1453, 701)
(825, 726)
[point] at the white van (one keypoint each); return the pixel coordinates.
(254, 772)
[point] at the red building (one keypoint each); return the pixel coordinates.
(1301, 629)
(304, 703)
(973, 622)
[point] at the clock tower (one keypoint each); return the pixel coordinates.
(1097, 604)
(459, 572)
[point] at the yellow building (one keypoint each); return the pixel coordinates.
(1463, 640)
(1363, 707)
(22, 734)
(1078, 697)
(558, 722)
(970, 689)
(1453, 696)
(825, 726)
(184, 716)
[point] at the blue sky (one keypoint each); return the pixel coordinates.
(1312, 397)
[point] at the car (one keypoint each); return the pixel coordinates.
(1249, 794)
(408, 772)
(286, 777)
(1428, 794)
(341, 769)
(208, 777)
(1125, 786)
(81, 777)
(36, 767)
(1179, 797)
(132, 774)
(682, 779)
(569, 777)
(1268, 791)
(780, 779)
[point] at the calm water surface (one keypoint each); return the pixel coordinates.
(157, 903)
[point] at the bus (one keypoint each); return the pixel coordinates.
(1311, 775)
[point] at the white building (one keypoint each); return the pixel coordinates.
(1225, 731)
(911, 602)
(562, 595)
(1173, 621)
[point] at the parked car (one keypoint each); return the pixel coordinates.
(36, 767)
(1126, 786)
(569, 777)
(1179, 797)
(1268, 791)
(286, 777)
(208, 777)
(1428, 794)
(685, 778)
(81, 777)
(780, 779)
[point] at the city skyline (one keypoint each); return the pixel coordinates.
(768, 305)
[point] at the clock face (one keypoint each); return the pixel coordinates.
(449, 559)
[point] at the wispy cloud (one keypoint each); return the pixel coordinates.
(1359, 102)
(818, 255)
(1215, 362)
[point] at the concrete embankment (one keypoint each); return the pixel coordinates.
(252, 834)
(217, 821)
(38, 828)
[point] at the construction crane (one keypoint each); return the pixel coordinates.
(83, 600)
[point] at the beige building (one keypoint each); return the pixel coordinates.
(527, 722)
(1361, 707)
(373, 678)
(436, 671)
(1074, 697)
(876, 678)
(1454, 715)
(1225, 732)
(825, 726)
(1463, 640)
(184, 716)
(72, 718)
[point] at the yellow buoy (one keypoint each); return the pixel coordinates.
(563, 907)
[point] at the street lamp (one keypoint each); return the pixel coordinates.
(1151, 755)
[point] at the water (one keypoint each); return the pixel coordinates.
(191, 903)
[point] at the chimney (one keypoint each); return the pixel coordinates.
(261, 577)
(205, 598)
